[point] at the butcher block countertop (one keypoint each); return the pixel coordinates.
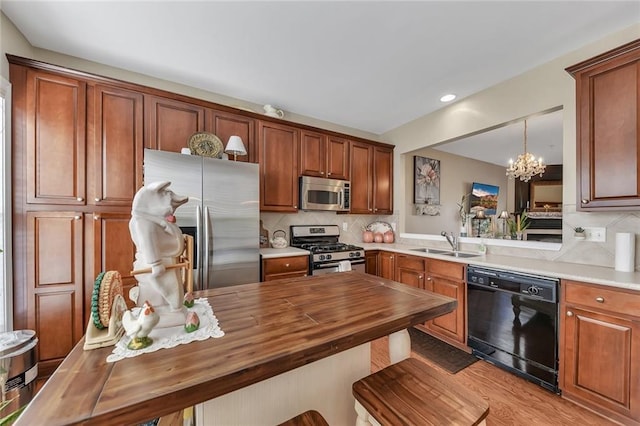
(270, 328)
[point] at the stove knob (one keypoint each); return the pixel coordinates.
(322, 257)
(328, 257)
(351, 254)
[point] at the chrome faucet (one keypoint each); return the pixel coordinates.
(452, 239)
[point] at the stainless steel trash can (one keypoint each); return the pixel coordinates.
(18, 368)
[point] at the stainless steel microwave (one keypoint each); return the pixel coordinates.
(324, 194)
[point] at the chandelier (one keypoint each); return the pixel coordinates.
(526, 166)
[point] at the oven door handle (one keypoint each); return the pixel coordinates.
(336, 264)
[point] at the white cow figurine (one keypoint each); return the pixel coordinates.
(158, 242)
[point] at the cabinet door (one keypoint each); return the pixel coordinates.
(313, 153)
(337, 157)
(112, 250)
(410, 277)
(278, 150)
(117, 145)
(55, 139)
(608, 115)
(169, 123)
(361, 157)
(54, 284)
(387, 265)
(450, 325)
(601, 360)
(382, 180)
(371, 262)
(226, 124)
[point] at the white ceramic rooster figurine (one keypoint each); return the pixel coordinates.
(139, 328)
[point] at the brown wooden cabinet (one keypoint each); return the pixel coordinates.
(54, 260)
(278, 153)
(114, 163)
(387, 265)
(285, 267)
(608, 132)
(411, 270)
(371, 178)
(447, 278)
(323, 156)
(600, 349)
(226, 124)
(371, 262)
(169, 123)
(55, 123)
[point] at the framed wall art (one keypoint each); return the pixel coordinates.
(426, 180)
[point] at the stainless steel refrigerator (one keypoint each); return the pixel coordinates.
(223, 213)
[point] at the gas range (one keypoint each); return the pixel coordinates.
(322, 242)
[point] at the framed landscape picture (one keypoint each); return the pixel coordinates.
(483, 197)
(426, 180)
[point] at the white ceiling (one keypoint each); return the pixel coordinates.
(372, 66)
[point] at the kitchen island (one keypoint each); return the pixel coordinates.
(270, 328)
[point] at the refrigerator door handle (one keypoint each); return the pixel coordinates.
(207, 252)
(197, 285)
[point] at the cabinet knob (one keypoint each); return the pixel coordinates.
(286, 265)
(569, 313)
(98, 199)
(77, 217)
(329, 174)
(428, 278)
(370, 210)
(600, 299)
(96, 217)
(321, 173)
(80, 199)
(295, 207)
(420, 276)
(585, 201)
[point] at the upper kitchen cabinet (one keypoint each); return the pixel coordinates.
(371, 178)
(608, 140)
(324, 156)
(116, 130)
(53, 110)
(169, 123)
(226, 124)
(278, 154)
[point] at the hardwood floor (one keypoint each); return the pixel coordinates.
(512, 400)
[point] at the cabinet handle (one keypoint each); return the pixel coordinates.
(585, 201)
(600, 299)
(569, 313)
(80, 199)
(77, 217)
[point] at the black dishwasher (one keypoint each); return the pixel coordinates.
(513, 322)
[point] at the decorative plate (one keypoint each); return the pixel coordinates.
(380, 227)
(206, 144)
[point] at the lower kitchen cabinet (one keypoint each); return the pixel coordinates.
(387, 265)
(371, 261)
(600, 349)
(447, 278)
(285, 267)
(410, 270)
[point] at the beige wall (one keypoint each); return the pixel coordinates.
(539, 89)
(457, 175)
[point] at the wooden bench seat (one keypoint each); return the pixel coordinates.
(308, 418)
(413, 393)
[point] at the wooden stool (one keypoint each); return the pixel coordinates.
(308, 418)
(412, 393)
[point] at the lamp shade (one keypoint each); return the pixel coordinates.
(504, 214)
(235, 146)
(480, 214)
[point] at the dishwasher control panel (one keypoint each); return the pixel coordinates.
(534, 286)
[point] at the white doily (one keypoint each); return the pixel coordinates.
(170, 337)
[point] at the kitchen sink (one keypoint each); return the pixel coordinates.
(432, 251)
(460, 254)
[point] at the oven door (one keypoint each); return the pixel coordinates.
(331, 267)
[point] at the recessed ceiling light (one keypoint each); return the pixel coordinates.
(448, 98)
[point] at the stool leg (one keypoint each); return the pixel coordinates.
(399, 346)
(363, 415)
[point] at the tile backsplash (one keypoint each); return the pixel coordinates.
(572, 251)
